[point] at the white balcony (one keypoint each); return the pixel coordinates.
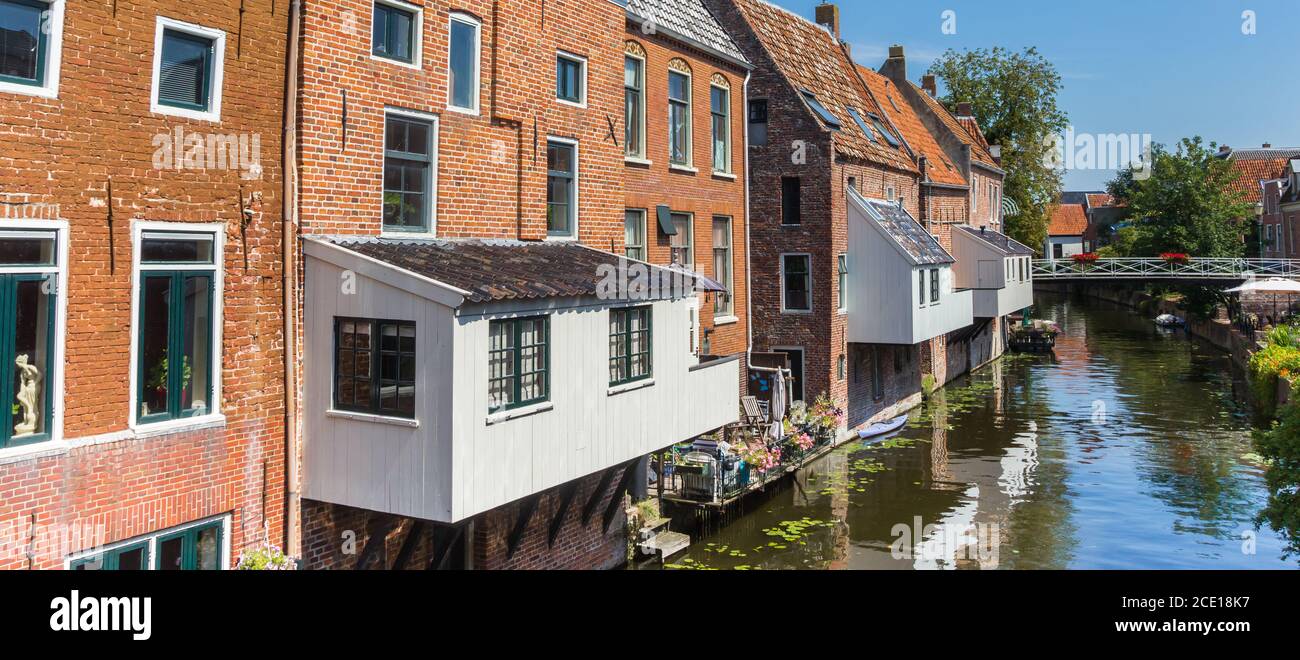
(901, 288)
(996, 268)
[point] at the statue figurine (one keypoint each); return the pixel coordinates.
(29, 376)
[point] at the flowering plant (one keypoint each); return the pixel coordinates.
(265, 557)
(1174, 257)
(759, 456)
(803, 441)
(1085, 257)
(825, 414)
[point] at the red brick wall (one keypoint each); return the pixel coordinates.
(56, 156)
(700, 193)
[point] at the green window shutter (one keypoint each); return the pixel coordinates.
(185, 71)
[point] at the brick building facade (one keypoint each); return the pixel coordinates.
(139, 167)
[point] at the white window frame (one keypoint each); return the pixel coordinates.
(842, 268)
(53, 58)
(640, 155)
(577, 186)
(581, 61)
(731, 267)
(642, 215)
(433, 172)
(152, 539)
(727, 154)
(689, 165)
(466, 19)
(218, 37)
(60, 271)
(811, 306)
(417, 34)
(215, 416)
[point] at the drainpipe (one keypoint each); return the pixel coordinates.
(289, 283)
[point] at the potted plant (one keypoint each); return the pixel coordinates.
(265, 557)
(1085, 259)
(1174, 258)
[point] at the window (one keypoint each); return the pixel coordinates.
(634, 106)
(31, 32)
(758, 122)
(853, 183)
(843, 267)
(722, 266)
(187, 70)
(177, 356)
(629, 345)
(921, 286)
(934, 285)
(571, 79)
(374, 367)
(1022, 269)
(839, 366)
(28, 293)
(679, 118)
(720, 108)
(796, 289)
(561, 189)
(683, 242)
(884, 132)
(862, 124)
(1057, 250)
(820, 109)
(395, 31)
(890, 193)
(877, 375)
(790, 203)
(519, 360)
(634, 234)
(463, 63)
(198, 547)
(408, 173)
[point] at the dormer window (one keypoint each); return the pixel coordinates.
(820, 109)
(862, 124)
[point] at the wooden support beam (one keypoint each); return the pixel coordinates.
(378, 536)
(594, 498)
(521, 524)
(408, 545)
(566, 498)
(616, 499)
(440, 556)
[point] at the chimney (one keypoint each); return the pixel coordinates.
(963, 110)
(995, 150)
(828, 14)
(928, 84)
(1223, 149)
(1267, 146)
(895, 68)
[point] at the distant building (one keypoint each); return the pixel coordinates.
(1262, 182)
(1065, 234)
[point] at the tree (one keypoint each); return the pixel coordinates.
(1013, 96)
(1186, 204)
(1280, 446)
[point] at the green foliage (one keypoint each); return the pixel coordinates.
(1013, 95)
(265, 557)
(1186, 205)
(1275, 360)
(1280, 447)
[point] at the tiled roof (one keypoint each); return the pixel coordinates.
(1000, 241)
(903, 116)
(912, 238)
(811, 59)
(1068, 220)
(978, 152)
(972, 127)
(1271, 153)
(1253, 170)
(498, 269)
(1100, 199)
(689, 19)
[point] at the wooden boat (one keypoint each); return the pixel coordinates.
(881, 428)
(1168, 321)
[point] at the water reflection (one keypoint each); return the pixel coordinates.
(1124, 449)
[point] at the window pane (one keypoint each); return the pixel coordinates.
(26, 251)
(20, 40)
(568, 79)
(463, 62)
(682, 250)
(155, 299)
(132, 560)
(633, 234)
(679, 87)
(392, 32)
(796, 282)
(184, 70)
(197, 340)
(31, 351)
(678, 133)
(207, 549)
(160, 248)
(170, 553)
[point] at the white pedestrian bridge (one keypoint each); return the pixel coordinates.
(1194, 269)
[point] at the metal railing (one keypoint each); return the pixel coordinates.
(1196, 268)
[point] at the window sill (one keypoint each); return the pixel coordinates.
(683, 168)
(637, 160)
(725, 320)
(472, 112)
(630, 387)
(414, 64)
(800, 312)
(399, 235)
(213, 115)
(373, 418)
(724, 175)
(33, 451)
(215, 420)
(526, 411)
(42, 91)
(572, 104)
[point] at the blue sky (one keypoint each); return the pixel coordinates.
(1165, 68)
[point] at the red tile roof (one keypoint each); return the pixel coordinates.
(813, 60)
(978, 149)
(1100, 199)
(1254, 170)
(1068, 220)
(904, 118)
(973, 128)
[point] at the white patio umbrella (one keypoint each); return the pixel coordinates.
(1273, 285)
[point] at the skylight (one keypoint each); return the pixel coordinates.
(862, 124)
(820, 109)
(880, 126)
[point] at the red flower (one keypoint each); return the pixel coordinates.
(1085, 258)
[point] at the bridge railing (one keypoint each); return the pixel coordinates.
(1158, 268)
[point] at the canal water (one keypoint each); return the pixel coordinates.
(1127, 447)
